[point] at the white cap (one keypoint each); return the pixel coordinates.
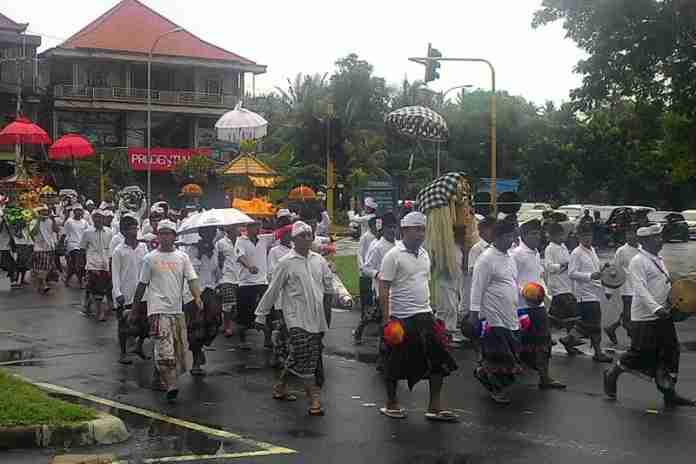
(414, 219)
(655, 229)
(479, 217)
(157, 209)
(300, 228)
(89, 203)
(107, 213)
(166, 224)
(371, 203)
(283, 213)
(77, 206)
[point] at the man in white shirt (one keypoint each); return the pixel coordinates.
(584, 272)
(275, 325)
(166, 272)
(126, 264)
(372, 264)
(622, 259)
(252, 255)
(405, 298)
(362, 220)
(564, 307)
(367, 298)
(73, 230)
(494, 299)
(654, 344)
(203, 325)
(95, 245)
(304, 280)
(535, 349)
(229, 282)
(44, 232)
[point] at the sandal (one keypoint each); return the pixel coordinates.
(284, 397)
(394, 413)
(442, 416)
(500, 397)
(316, 412)
(552, 385)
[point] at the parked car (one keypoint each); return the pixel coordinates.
(690, 216)
(675, 226)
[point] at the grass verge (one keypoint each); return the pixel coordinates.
(23, 404)
(347, 270)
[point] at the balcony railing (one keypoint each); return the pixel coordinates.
(159, 97)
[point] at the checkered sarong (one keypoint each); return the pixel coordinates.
(438, 193)
(304, 357)
(43, 261)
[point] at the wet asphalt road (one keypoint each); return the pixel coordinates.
(575, 426)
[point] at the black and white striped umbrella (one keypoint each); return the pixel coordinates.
(418, 122)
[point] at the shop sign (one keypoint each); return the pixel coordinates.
(163, 159)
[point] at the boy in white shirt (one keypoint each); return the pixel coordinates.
(73, 230)
(95, 244)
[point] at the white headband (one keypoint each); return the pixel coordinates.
(300, 228)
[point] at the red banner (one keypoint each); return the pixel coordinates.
(163, 159)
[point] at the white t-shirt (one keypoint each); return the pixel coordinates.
(74, 230)
(166, 274)
(230, 268)
(126, 265)
(256, 255)
(410, 279)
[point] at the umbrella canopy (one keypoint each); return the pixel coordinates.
(214, 218)
(302, 193)
(240, 124)
(70, 146)
(23, 131)
(418, 122)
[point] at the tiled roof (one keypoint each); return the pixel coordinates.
(7, 23)
(131, 26)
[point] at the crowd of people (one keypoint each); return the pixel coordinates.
(181, 288)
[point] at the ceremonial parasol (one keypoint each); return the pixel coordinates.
(23, 131)
(70, 147)
(418, 122)
(302, 193)
(192, 190)
(240, 124)
(214, 218)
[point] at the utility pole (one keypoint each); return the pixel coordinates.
(330, 168)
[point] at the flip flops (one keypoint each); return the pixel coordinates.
(394, 413)
(552, 385)
(284, 397)
(442, 416)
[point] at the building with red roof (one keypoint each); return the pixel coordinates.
(98, 81)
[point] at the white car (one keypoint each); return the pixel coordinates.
(690, 216)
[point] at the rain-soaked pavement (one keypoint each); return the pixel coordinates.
(229, 416)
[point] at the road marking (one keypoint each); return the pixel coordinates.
(48, 358)
(267, 448)
(205, 457)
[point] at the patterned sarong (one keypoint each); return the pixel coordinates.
(304, 353)
(168, 333)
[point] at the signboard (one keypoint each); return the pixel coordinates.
(501, 185)
(163, 159)
(383, 192)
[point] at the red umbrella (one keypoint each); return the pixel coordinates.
(23, 131)
(70, 146)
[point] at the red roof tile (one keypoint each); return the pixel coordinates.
(7, 23)
(131, 26)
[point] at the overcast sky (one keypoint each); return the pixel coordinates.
(310, 35)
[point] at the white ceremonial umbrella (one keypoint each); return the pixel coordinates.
(240, 124)
(214, 218)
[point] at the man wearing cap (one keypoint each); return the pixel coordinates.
(252, 254)
(44, 232)
(654, 344)
(370, 212)
(386, 224)
(73, 230)
(229, 281)
(405, 298)
(89, 208)
(304, 280)
(166, 272)
(584, 272)
(622, 259)
(95, 244)
(494, 299)
(283, 217)
(535, 348)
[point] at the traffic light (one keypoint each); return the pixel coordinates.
(431, 67)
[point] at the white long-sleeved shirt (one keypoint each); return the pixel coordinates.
(651, 285)
(96, 243)
(126, 264)
(73, 231)
(494, 291)
(583, 263)
(622, 258)
(303, 282)
(557, 279)
(373, 262)
(366, 240)
(529, 269)
(116, 240)
(362, 220)
(274, 257)
(475, 252)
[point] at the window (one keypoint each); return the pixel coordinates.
(96, 78)
(213, 86)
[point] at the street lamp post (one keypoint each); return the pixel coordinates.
(494, 117)
(149, 111)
